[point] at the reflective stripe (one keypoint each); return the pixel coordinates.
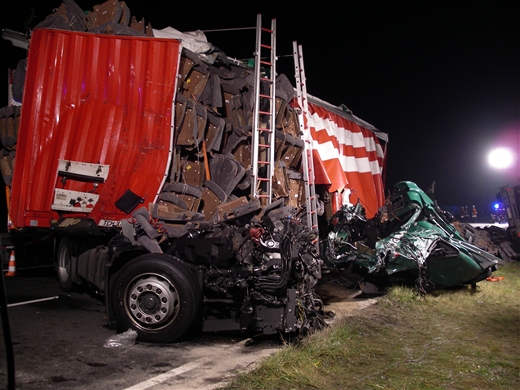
(357, 151)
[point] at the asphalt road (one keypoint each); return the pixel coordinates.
(59, 343)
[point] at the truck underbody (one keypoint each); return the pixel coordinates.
(249, 274)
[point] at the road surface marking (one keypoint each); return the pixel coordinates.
(33, 301)
(167, 375)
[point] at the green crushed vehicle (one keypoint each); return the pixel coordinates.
(410, 241)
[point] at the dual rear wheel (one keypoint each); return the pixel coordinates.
(158, 296)
(155, 294)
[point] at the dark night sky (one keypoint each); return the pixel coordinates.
(442, 78)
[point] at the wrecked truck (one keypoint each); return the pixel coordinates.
(139, 156)
(410, 242)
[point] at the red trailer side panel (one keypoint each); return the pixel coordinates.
(351, 155)
(103, 105)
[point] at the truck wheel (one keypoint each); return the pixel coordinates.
(158, 296)
(65, 258)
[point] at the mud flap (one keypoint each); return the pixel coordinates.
(214, 132)
(188, 130)
(105, 13)
(9, 125)
(280, 182)
(7, 165)
(292, 152)
(195, 81)
(193, 172)
(226, 172)
(168, 212)
(238, 208)
(296, 189)
(212, 196)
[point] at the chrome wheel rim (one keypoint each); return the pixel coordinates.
(151, 301)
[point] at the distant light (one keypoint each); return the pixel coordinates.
(500, 158)
(496, 206)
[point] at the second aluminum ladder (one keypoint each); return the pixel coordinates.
(307, 159)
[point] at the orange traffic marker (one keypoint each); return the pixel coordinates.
(495, 278)
(11, 271)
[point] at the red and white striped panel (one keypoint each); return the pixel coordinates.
(351, 155)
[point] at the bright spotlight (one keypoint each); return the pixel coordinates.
(500, 158)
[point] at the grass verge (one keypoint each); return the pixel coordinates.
(453, 339)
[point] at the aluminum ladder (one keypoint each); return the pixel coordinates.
(263, 127)
(307, 159)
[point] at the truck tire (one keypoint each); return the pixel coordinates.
(66, 257)
(158, 296)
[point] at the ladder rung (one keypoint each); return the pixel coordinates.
(262, 179)
(265, 96)
(266, 46)
(264, 145)
(262, 196)
(266, 63)
(266, 79)
(264, 162)
(267, 29)
(264, 129)
(265, 112)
